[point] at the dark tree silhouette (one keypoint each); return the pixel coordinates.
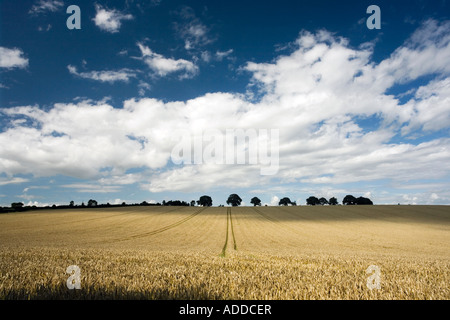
(234, 200)
(349, 200)
(284, 202)
(17, 205)
(92, 203)
(323, 201)
(333, 201)
(177, 203)
(255, 201)
(193, 203)
(363, 201)
(312, 201)
(71, 204)
(205, 201)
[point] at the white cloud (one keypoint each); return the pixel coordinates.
(43, 6)
(47, 28)
(12, 58)
(104, 76)
(220, 55)
(143, 87)
(426, 52)
(434, 196)
(430, 108)
(37, 204)
(162, 66)
(110, 20)
(206, 56)
(426, 197)
(274, 201)
(92, 188)
(13, 180)
(194, 33)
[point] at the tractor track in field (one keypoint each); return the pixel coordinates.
(159, 230)
(288, 228)
(280, 224)
(229, 228)
(265, 215)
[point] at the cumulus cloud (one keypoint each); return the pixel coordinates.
(104, 76)
(162, 66)
(430, 107)
(426, 52)
(274, 201)
(12, 58)
(110, 20)
(317, 96)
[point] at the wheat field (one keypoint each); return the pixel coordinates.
(223, 253)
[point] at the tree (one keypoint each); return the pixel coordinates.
(349, 200)
(71, 204)
(193, 203)
(323, 201)
(177, 203)
(17, 205)
(205, 201)
(234, 200)
(284, 202)
(312, 201)
(363, 201)
(255, 201)
(333, 201)
(92, 203)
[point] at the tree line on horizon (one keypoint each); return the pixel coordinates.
(204, 201)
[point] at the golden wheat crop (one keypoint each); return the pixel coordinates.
(227, 253)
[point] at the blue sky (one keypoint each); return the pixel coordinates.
(97, 112)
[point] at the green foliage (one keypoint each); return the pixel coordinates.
(284, 202)
(234, 200)
(255, 201)
(333, 201)
(16, 205)
(312, 201)
(349, 200)
(205, 201)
